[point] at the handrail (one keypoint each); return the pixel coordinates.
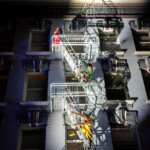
(75, 89)
(90, 43)
(76, 40)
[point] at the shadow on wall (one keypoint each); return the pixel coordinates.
(144, 124)
(102, 132)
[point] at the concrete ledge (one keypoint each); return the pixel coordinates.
(6, 53)
(143, 42)
(142, 53)
(38, 103)
(113, 102)
(118, 53)
(38, 53)
(148, 101)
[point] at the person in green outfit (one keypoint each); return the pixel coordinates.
(86, 73)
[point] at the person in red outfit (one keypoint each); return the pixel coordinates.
(56, 41)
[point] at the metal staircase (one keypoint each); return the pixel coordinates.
(74, 119)
(70, 91)
(91, 46)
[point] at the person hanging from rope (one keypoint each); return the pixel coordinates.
(86, 73)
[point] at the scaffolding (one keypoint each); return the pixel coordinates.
(70, 91)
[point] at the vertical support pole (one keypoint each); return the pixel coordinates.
(62, 56)
(52, 52)
(51, 105)
(40, 65)
(90, 57)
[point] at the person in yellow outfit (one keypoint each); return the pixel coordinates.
(86, 131)
(85, 127)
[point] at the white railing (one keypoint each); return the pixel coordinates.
(77, 39)
(75, 89)
(90, 44)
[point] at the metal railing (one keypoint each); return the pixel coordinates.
(75, 89)
(90, 44)
(77, 39)
(73, 60)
